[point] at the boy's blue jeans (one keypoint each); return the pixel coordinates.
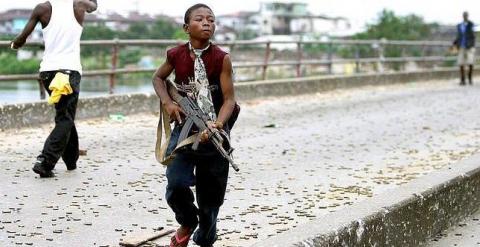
(209, 174)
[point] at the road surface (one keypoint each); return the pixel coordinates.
(300, 157)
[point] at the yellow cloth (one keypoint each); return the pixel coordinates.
(60, 85)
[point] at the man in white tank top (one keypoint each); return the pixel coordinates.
(62, 26)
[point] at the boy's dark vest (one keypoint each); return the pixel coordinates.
(179, 57)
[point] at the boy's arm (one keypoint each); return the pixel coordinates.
(21, 39)
(227, 92)
(160, 87)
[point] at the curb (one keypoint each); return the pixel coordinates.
(32, 114)
(405, 216)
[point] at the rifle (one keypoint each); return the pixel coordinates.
(194, 115)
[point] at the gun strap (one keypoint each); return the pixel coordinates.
(191, 139)
(163, 126)
(161, 146)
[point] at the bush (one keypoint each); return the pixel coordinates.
(129, 56)
(10, 65)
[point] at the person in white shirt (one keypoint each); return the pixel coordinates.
(62, 27)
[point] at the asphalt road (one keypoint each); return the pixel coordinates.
(300, 157)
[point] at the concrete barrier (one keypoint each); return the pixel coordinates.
(405, 216)
(295, 86)
(30, 114)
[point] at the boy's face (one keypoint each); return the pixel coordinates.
(201, 25)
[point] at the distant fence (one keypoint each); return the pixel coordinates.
(298, 57)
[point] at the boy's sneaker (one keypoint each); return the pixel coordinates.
(39, 169)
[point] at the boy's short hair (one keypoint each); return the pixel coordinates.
(189, 11)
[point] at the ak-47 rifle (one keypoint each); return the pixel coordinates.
(194, 115)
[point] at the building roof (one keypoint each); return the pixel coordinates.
(115, 17)
(310, 16)
(133, 16)
(284, 2)
(12, 14)
(239, 14)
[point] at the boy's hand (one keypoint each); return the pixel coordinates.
(212, 126)
(174, 111)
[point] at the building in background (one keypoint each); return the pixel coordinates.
(273, 18)
(13, 21)
(235, 26)
(117, 22)
(283, 18)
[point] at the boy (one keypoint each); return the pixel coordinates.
(62, 28)
(202, 71)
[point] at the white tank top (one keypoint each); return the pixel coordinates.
(62, 39)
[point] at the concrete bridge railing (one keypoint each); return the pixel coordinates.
(369, 54)
(31, 114)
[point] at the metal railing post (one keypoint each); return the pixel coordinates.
(404, 55)
(424, 50)
(41, 88)
(299, 59)
(232, 47)
(381, 56)
(114, 66)
(330, 57)
(357, 57)
(265, 61)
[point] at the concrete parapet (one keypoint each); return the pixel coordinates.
(295, 86)
(405, 216)
(30, 114)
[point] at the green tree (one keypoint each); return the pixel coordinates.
(98, 33)
(137, 30)
(130, 56)
(10, 65)
(100, 53)
(392, 27)
(180, 35)
(247, 34)
(162, 29)
(8, 37)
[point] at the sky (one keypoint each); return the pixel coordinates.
(359, 12)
